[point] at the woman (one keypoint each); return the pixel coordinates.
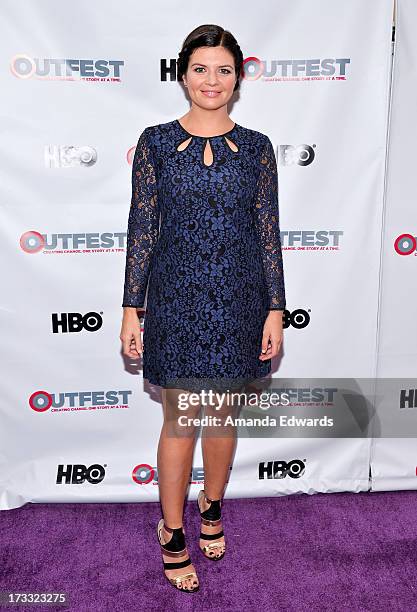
(204, 219)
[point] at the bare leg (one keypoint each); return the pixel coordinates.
(174, 460)
(218, 444)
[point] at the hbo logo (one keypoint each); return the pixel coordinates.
(298, 318)
(281, 469)
(76, 322)
(78, 474)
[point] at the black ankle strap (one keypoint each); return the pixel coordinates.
(177, 541)
(214, 512)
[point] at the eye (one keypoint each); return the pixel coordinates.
(223, 70)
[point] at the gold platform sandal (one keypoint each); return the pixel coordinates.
(176, 548)
(212, 517)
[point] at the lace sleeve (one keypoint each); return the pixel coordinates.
(143, 224)
(267, 227)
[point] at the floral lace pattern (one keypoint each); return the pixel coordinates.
(143, 224)
(267, 225)
(204, 241)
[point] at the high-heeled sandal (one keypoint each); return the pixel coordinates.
(211, 517)
(176, 548)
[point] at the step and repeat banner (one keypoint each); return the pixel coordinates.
(78, 421)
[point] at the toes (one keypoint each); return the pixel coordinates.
(213, 552)
(189, 584)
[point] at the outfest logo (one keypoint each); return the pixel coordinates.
(24, 66)
(144, 473)
(405, 244)
(88, 242)
(311, 240)
(305, 69)
(79, 401)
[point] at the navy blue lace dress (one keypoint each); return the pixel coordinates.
(203, 241)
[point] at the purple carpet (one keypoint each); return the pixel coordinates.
(321, 552)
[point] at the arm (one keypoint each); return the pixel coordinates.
(267, 227)
(143, 224)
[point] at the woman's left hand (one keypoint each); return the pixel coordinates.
(272, 335)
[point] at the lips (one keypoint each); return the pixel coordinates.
(210, 93)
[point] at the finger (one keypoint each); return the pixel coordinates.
(129, 346)
(274, 348)
(264, 347)
(265, 350)
(138, 342)
(126, 345)
(276, 343)
(133, 354)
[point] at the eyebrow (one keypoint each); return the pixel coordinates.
(222, 66)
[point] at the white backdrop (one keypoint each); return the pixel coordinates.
(77, 90)
(394, 460)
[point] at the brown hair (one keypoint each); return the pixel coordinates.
(209, 35)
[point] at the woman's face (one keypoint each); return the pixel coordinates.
(210, 76)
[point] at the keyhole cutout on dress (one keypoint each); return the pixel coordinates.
(208, 153)
(183, 145)
(232, 145)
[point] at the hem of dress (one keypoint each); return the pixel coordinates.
(204, 383)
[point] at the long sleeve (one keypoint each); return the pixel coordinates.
(267, 227)
(143, 224)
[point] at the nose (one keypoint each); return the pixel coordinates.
(211, 80)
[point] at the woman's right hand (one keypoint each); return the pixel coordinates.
(130, 333)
